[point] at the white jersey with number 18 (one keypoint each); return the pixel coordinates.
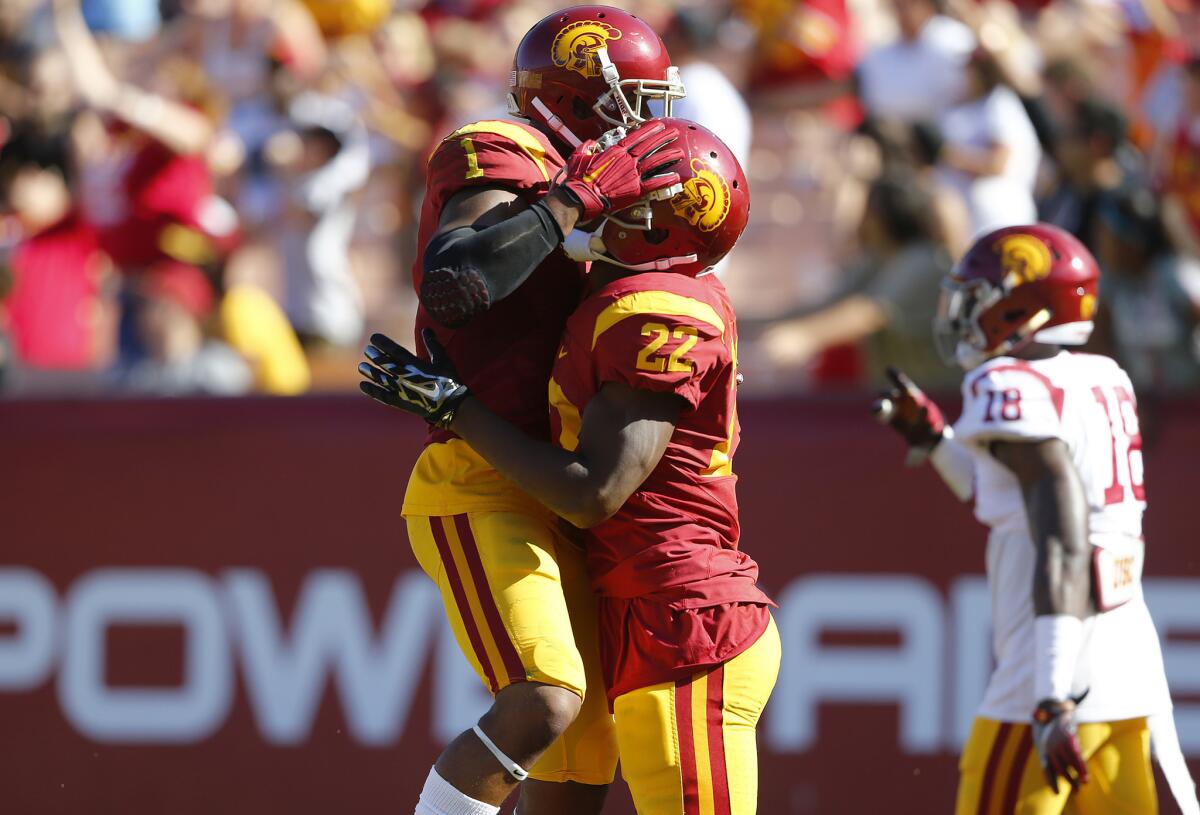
(1087, 402)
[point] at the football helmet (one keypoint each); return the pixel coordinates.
(583, 70)
(687, 231)
(1016, 285)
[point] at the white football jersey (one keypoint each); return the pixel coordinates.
(1086, 401)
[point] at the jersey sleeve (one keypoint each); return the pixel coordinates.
(500, 154)
(1010, 401)
(667, 353)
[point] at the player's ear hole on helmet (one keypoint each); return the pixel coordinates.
(655, 235)
(1014, 314)
(580, 109)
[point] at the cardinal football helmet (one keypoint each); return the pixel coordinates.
(584, 70)
(688, 231)
(1017, 285)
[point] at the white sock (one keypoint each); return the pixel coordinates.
(439, 798)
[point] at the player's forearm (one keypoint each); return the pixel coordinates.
(851, 319)
(467, 270)
(1057, 511)
(954, 464)
(976, 161)
(561, 480)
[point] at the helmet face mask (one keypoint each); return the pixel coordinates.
(627, 102)
(584, 70)
(1015, 286)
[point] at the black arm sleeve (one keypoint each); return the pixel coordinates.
(466, 270)
(1043, 123)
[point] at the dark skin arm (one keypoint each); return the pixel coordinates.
(1057, 509)
(482, 207)
(489, 241)
(623, 437)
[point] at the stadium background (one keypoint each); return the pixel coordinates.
(206, 605)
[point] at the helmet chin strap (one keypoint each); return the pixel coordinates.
(583, 247)
(557, 125)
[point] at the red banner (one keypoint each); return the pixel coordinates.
(211, 607)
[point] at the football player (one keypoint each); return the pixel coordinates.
(495, 289)
(644, 417)
(1048, 445)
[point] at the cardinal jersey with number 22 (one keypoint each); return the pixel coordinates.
(1087, 402)
(677, 595)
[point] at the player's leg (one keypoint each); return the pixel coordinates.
(574, 773)
(500, 584)
(689, 746)
(999, 773)
(1121, 779)
(749, 679)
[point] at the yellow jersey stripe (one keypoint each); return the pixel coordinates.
(568, 416)
(514, 133)
(655, 303)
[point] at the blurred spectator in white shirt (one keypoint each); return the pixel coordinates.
(712, 99)
(921, 73)
(989, 151)
(324, 160)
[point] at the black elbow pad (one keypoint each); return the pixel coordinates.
(467, 270)
(452, 295)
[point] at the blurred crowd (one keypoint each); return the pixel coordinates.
(219, 196)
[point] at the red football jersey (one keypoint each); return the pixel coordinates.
(676, 593)
(505, 354)
(159, 189)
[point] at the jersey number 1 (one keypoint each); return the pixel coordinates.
(1126, 410)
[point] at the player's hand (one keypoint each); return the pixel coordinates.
(616, 178)
(1057, 745)
(907, 410)
(398, 378)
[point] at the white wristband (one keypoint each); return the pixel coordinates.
(1057, 640)
(955, 465)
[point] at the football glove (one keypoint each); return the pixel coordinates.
(906, 409)
(611, 179)
(398, 378)
(1056, 742)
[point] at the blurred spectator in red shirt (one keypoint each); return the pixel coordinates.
(145, 180)
(56, 265)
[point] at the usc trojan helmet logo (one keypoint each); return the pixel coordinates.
(704, 200)
(576, 45)
(1023, 258)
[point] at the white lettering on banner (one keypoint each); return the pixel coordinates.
(935, 674)
(971, 621)
(331, 631)
(1175, 606)
(908, 674)
(459, 698)
(29, 600)
(187, 713)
